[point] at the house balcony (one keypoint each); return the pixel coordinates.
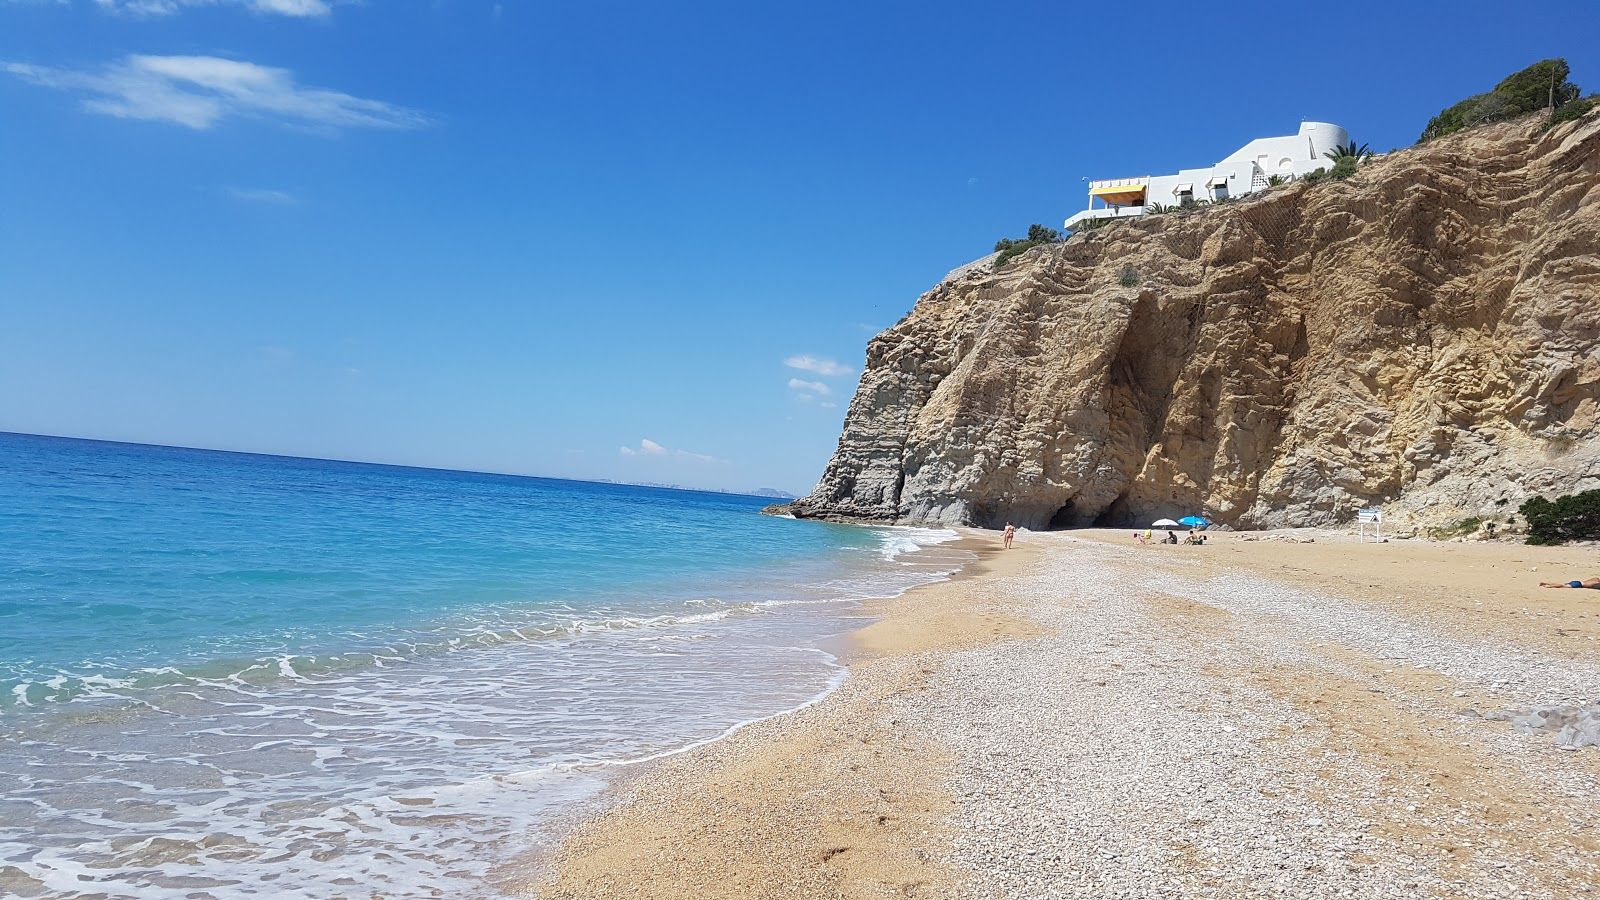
(1119, 191)
(1110, 212)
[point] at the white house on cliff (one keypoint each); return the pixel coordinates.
(1241, 172)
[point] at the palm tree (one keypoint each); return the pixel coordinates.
(1277, 180)
(1359, 154)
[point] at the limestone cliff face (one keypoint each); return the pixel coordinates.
(1425, 336)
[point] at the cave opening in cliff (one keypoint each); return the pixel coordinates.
(1065, 517)
(1115, 515)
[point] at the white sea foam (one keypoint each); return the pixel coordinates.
(408, 770)
(899, 540)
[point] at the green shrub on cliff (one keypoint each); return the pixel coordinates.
(1541, 85)
(1012, 247)
(1577, 109)
(1575, 517)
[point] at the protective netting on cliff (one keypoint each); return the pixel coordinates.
(1437, 209)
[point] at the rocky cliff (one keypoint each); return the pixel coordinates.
(1424, 336)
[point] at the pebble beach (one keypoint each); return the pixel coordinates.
(1083, 717)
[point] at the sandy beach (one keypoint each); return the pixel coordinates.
(1288, 714)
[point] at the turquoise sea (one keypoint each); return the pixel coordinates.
(230, 675)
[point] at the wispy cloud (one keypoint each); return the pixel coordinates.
(815, 387)
(278, 355)
(298, 9)
(267, 196)
(200, 91)
(648, 447)
(827, 368)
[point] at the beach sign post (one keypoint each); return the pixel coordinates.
(1371, 516)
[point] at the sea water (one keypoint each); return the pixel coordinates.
(230, 675)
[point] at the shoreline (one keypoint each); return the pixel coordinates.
(775, 752)
(844, 651)
(876, 789)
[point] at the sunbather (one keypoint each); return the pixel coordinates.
(1586, 583)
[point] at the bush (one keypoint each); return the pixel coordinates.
(1575, 517)
(1577, 109)
(1464, 528)
(1343, 168)
(1539, 86)
(1012, 247)
(1315, 175)
(1129, 277)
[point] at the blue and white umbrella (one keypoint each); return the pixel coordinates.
(1193, 522)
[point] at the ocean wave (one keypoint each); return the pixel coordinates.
(247, 674)
(900, 540)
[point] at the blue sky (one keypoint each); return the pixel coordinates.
(641, 241)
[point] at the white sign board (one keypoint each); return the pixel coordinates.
(1371, 516)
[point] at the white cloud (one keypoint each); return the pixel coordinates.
(199, 91)
(648, 447)
(815, 387)
(827, 368)
(264, 195)
(829, 405)
(298, 9)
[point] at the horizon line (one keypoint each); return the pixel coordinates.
(392, 465)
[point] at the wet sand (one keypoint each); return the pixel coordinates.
(1083, 717)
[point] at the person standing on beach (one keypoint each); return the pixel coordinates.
(1010, 534)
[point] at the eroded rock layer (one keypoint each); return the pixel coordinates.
(1424, 336)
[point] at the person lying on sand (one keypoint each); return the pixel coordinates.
(1587, 583)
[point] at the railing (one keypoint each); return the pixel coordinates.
(1111, 212)
(1119, 182)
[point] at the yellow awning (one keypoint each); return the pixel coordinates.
(1135, 189)
(1125, 197)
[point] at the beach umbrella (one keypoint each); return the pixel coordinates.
(1165, 523)
(1193, 522)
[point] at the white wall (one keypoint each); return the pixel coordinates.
(1294, 155)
